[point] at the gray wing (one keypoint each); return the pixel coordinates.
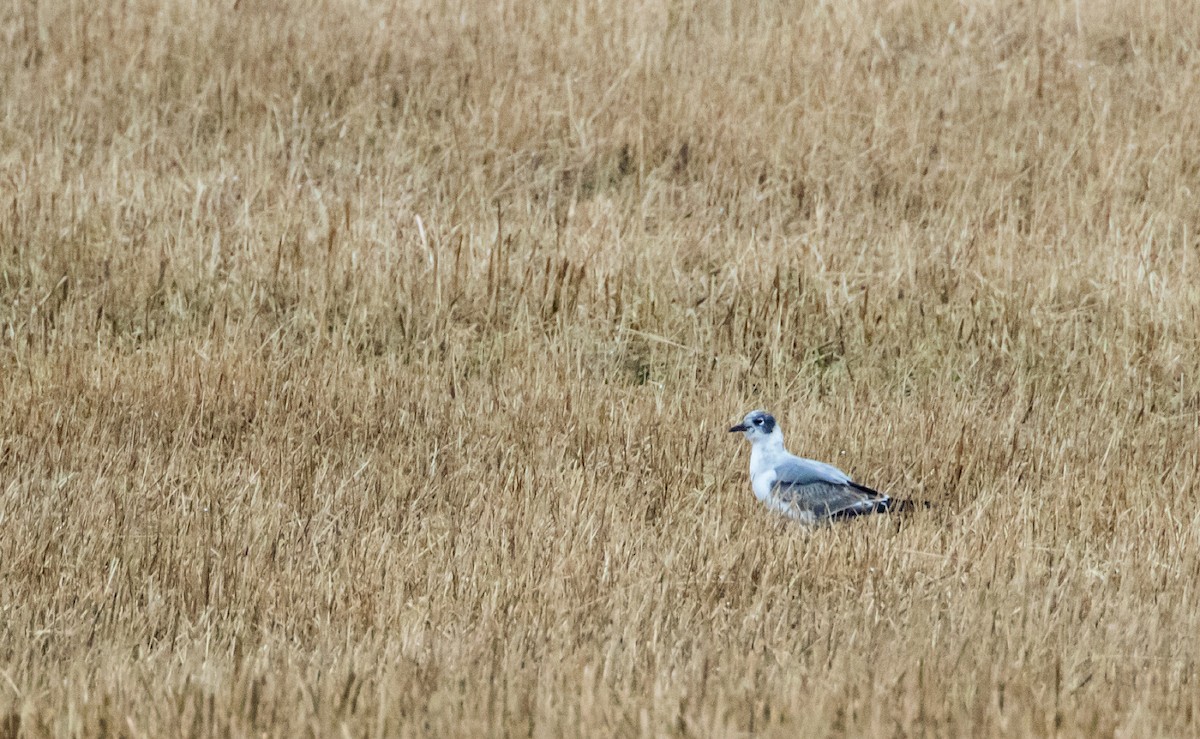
(802, 471)
(821, 499)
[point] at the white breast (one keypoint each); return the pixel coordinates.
(762, 484)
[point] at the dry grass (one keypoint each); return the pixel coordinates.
(365, 368)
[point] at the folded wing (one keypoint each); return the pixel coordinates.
(828, 500)
(805, 488)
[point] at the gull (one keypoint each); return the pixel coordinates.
(804, 489)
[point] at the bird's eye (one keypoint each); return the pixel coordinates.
(758, 422)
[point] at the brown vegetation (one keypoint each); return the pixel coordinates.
(365, 366)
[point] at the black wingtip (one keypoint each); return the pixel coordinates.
(883, 505)
(888, 504)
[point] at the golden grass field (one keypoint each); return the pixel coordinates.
(366, 367)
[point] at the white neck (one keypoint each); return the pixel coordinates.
(766, 448)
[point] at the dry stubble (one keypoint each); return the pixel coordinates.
(365, 367)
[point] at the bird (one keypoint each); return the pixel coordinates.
(802, 489)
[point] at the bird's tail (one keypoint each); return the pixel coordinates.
(881, 503)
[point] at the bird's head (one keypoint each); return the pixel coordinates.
(757, 425)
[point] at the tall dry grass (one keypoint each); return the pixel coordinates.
(365, 366)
